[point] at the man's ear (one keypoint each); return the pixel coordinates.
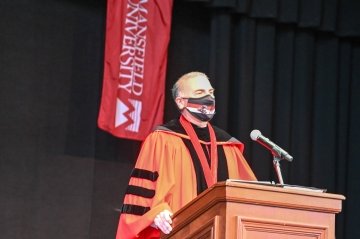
(180, 102)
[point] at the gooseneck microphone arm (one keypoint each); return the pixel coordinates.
(277, 152)
(276, 163)
(267, 143)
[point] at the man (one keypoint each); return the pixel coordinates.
(178, 161)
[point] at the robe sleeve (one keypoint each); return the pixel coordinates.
(237, 165)
(149, 189)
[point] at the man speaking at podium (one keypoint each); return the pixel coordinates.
(178, 161)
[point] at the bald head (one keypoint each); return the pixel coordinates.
(193, 84)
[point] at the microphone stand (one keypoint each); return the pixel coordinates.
(276, 163)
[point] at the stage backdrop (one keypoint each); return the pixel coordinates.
(287, 68)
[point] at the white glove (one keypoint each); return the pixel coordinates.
(163, 221)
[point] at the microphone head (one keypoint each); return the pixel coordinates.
(255, 134)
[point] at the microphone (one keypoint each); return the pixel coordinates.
(267, 143)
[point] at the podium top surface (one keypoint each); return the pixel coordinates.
(290, 189)
(257, 193)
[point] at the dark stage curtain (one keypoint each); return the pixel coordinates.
(289, 69)
(286, 67)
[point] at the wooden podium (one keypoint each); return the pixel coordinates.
(238, 210)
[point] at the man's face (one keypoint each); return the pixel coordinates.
(193, 95)
(196, 87)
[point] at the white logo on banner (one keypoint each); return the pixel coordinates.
(123, 115)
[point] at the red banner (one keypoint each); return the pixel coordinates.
(137, 38)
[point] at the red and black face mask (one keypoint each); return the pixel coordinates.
(202, 108)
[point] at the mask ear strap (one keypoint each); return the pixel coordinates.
(180, 110)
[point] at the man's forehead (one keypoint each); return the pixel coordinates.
(197, 82)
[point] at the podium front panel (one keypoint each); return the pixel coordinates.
(248, 211)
